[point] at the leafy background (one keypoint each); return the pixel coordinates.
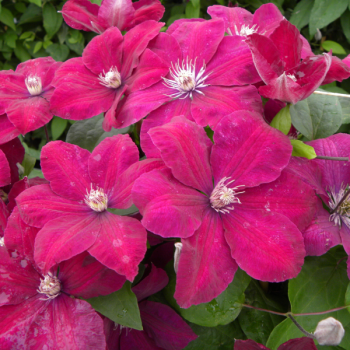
(34, 28)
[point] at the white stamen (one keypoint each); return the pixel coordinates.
(2, 242)
(222, 196)
(111, 79)
(33, 84)
(50, 285)
(97, 200)
(178, 248)
(342, 214)
(185, 80)
(292, 76)
(246, 30)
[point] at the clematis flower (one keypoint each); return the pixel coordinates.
(5, 174)
(229, 202)
(40, 309)
(72, 209)
(204, 69)
(83, 15)
(111, 66)
(278, 61)
(292, 344)
(163, 327)
(25, 96)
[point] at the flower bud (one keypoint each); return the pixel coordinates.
(329, 332)
(178, 248)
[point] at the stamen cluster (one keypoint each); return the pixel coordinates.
(97, 200)
(34, 85)
(50, 285)
(111, 79)
(342, 214)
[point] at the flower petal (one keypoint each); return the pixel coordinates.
(5, 174)
(169, 208)
(338, 71)
(248, 345)
(148, 9)
(167, 48)
(7, 130)
(267, 17)
(304, 343)
(207, 255)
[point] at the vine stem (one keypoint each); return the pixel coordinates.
(331, 94)
(310, 335)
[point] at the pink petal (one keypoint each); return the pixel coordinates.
(133, 339)
(267, 17)
(7, 130)
(65, 166)
(169, 208)
(176, 24)
(199, 40)
(116, 13)
(79, 94)
(39, 204)
(207, 255)
(345, 238)
(5, 174)
(268, 246)
(219, 101)
(232, 64)
(4, 213)
(233, 17)
(29, 114)
(121, 197)
(104, 52)
(248, 150)
(286, 37)
(135, 42)
(165, 326)
(68, 324)
(63, 238)
(338, 71)
(160, 116)
(83, 276)
(109, 160)
(148, 9)
(121, 245)
(166, 47)
(265, 56)
(298, 344)
(82, 15)
(248, 345)
(306, 49)
(153, 283)
(185, 149)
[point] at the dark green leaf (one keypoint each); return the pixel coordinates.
(58, 125)
(21, 52)
(301, 13)
(20, 7)
(120, 306)
(6, 17)
(132, 210)
(345, 24)
(10, 39)
(320, 286)
(33, 13)
(36, 2)
(282, 120)
(52, 19)
(89, 133)
(28, 164)
(318, 116)
(300, 149)
(58, 52)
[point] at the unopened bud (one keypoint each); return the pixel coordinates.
(178, 248)
(318, 35)
(329, 332)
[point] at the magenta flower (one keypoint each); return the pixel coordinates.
(40, 309)
(205, 68)
(278, 61)
(112, 65)
(25, 96)
(125, 14)
(5, 174)
(228, 202)
(72, 210)
(292, 344)
(163, 327)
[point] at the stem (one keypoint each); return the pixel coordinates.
(341, 202)
(47, 134)
(331, 94)
(260, 309)
(322, 312)
(333, 158)
(310, 335)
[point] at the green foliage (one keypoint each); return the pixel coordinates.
(282, 120)
(300, 149)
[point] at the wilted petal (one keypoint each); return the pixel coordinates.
(133, 339)
(304, 343)
(248, 345)
(206, 267)
(5, 174)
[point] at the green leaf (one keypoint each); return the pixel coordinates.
(120, 307)
(36, 173)
(255, 324)
(33, 13)
(21, 52)
(37, 46)
(28, 164)
(132, 210)
(58, 52)
(282, 120)
(345, 24)
(221, 310)
(20, 7)
(26, 35)
(325, 12)
(10, 39)
(36, 2)
(301, 13)
(336, 48)
(191, 11)
(318, 116)
(215, 338)
(6, 17)
(300, 149)
(89, 133)
(320, 286)
(58, 125)
(52, 20)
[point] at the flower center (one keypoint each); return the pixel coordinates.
(222, 196)
(342, 214)
(2, 242)
(185, 80)
(111, 79)
(246, 30)
(33, 84)
(97, 200)
(50, 285)
(292, 76)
